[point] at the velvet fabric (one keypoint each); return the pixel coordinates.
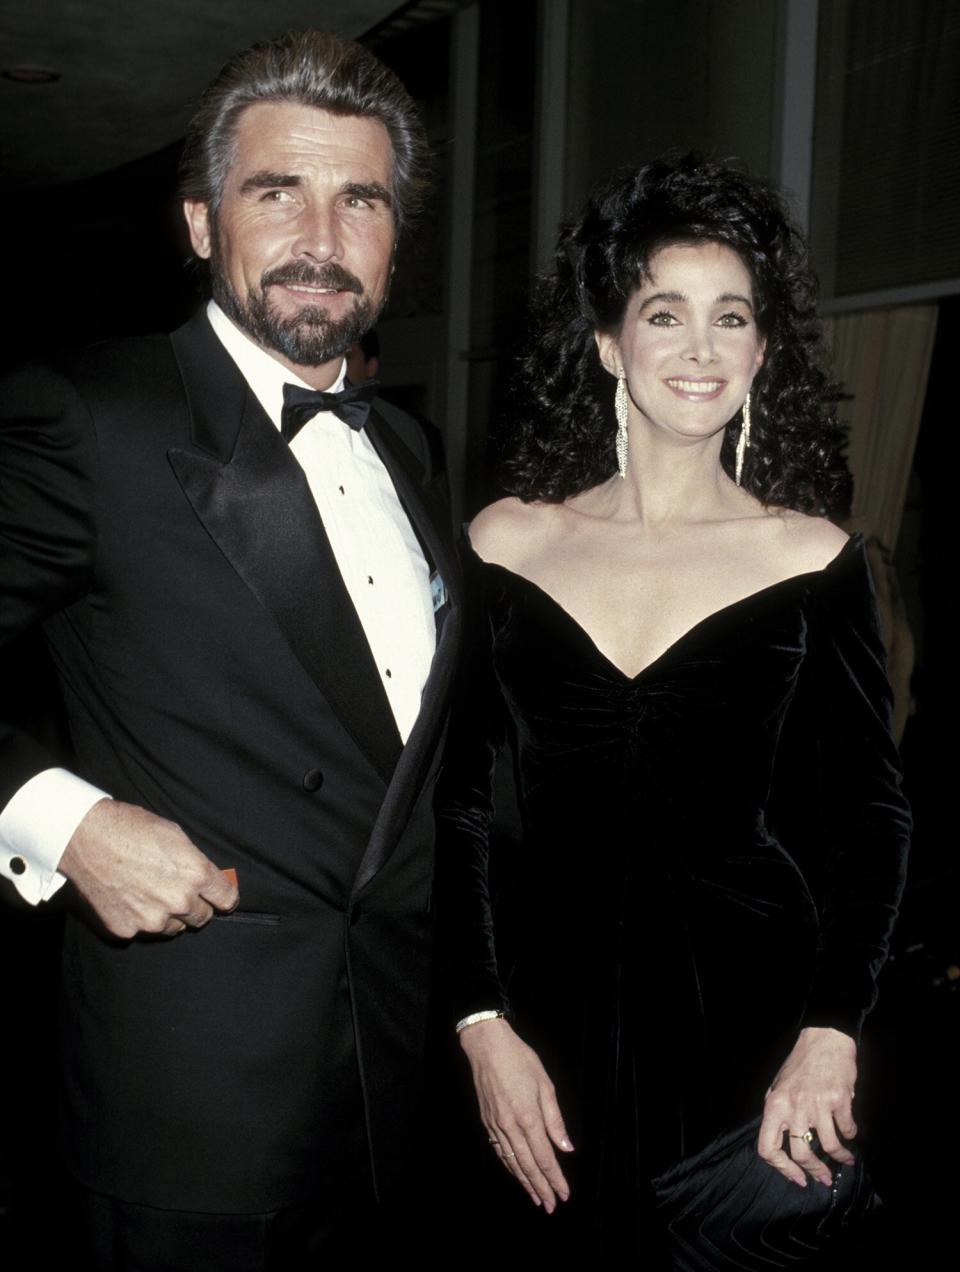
(712, 858)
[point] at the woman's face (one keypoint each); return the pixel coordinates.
(688, 344)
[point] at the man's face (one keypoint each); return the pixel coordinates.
(301, 246)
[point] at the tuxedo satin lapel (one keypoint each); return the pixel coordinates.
(428, 518)
(216, 391)
(426, 511)
(256, 505)
(414, 764)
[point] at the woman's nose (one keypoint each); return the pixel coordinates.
(701, 347)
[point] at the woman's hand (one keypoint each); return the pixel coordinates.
(812, 1092)
(519, 1109)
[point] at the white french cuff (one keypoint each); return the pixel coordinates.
(36, 826)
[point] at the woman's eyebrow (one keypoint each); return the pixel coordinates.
(678, 298)
(733, 297)
(671, 298)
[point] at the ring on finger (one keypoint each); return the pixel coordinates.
(808, 1136)
(505, 1155)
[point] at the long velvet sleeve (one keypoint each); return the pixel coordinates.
(844, 704)
(465, 937)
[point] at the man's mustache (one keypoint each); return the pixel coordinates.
(329, 275)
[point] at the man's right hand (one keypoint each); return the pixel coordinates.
(141, 873)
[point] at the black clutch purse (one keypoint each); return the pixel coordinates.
(726, 1210)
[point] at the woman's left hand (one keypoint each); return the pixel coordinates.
(812, 1092)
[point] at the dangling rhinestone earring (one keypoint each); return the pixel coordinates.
(743, 441)
(620, 410)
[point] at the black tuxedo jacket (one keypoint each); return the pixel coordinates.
(215, 671)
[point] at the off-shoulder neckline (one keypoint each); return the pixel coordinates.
(852, 547)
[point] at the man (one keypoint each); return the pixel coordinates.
(250, 600)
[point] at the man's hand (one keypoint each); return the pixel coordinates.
(141, 873)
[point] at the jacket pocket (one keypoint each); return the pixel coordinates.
(249, 916)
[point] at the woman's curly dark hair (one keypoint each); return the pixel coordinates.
(563, 440)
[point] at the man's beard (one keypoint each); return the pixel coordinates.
(310, 337)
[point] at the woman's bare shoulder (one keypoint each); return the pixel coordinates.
(806, 544)
(509, 531)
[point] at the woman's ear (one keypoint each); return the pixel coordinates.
(609, 352)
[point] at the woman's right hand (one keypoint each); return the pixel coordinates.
(519, 1109)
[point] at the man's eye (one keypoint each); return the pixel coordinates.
(276, 196)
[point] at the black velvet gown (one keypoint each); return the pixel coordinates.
(712, 859)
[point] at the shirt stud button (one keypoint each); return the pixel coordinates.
(18, 866)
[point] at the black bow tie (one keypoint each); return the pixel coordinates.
(352, 405)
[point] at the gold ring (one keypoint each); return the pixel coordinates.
(508, 1154)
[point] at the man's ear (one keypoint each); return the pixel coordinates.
(608, 348)
(197, 216)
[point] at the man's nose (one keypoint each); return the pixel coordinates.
(318, 234)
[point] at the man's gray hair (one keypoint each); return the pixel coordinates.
(311, 68)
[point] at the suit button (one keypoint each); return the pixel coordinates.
(313, 779)
(18, 866)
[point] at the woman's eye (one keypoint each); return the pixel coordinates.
(663, 319)
(732, 320)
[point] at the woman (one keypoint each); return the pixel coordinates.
(682, 647)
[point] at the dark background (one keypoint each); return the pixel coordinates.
(95, 247)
